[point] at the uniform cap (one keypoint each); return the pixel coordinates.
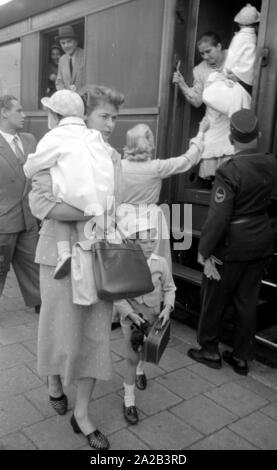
(66, 103)
(244, 126)
(247, 15)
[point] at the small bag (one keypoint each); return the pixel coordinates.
(121, 270)
(82, 275)
(156, 341)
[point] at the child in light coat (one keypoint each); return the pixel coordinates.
(80, 166)
(149, 306)
(230, 95)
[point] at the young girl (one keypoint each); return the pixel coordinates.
(230, 95)
(150, 306)
(142, 178)
(80, 165)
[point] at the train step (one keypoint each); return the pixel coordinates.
(187, 274)
(268, 337)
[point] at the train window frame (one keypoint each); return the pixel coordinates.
(47, 38)
(14, 89)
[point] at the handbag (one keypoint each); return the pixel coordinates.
(156, 342)
(121, 270)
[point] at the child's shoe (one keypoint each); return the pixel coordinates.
(141, 381)
(130, 414)
(63, 266)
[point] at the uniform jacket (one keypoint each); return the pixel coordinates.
(42, 201)
(15, 214)
(238, 227)
(64, 79)
(164, 290)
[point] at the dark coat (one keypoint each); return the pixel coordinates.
(238, 227)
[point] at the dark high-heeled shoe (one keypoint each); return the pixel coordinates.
(96, 439)
(59, 404)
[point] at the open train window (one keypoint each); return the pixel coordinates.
(52, 48)
(10, 55)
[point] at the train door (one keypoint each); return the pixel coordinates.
(193, 18)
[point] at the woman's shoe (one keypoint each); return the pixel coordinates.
(96, 439)
(59, 404)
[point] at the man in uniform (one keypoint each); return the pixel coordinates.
(237, 238)
(71, 70)
(18, 227)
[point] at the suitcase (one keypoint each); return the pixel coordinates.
(156, 342)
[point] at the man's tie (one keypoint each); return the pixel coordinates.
(18, 151)
(70, 67)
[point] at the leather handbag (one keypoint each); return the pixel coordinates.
(121, 270)
(156, 341)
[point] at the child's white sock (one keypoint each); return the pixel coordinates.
(63, 247)
(129, 395)
(140, 368)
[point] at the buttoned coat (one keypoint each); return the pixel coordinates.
(64, 79)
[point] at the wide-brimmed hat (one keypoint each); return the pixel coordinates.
(65, 32)
(247, 15)
(66, 103)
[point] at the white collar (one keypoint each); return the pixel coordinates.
(9, 137)
(152, 257)
(72, 120)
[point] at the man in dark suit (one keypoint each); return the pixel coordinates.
(71, 70)
(18, 227)
(236, 237)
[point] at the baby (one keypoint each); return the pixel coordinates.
(80, 166)
(230, 91)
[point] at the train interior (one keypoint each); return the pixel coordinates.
(192, 20)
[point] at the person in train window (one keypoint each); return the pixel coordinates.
(217, 146)
(142, 178)
(52, 68)
(73, 340)
(149, 306)
(230, 90)
(80, 165)
(71, 70)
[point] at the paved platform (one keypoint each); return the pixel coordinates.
(185, 406)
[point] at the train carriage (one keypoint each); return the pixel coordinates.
(134, 45)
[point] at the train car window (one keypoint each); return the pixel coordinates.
(54, 45)
(10, 55)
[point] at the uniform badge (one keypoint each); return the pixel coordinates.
(220, 195)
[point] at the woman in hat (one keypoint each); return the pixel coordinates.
(52, 69)
(73, 340)
(71, 72)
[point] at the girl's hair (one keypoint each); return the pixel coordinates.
(139, 143)
(94, 95)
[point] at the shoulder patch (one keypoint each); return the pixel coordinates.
(220, 195)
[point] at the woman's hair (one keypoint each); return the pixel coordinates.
(139, 143)
(211, 37)
(94, 95)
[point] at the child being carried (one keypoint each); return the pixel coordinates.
(230, 91)
(80, 166)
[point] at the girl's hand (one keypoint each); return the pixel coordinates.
(165, 315)
(204, 125)
(136, 318)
